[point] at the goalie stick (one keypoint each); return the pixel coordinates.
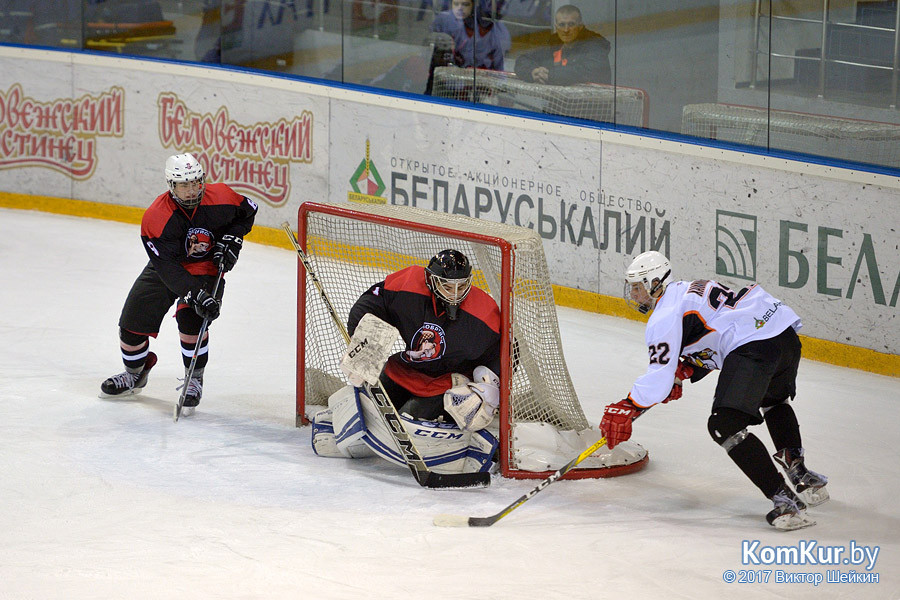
(425, 476)
(190, 372)
(461, 521)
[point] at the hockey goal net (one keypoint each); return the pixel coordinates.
(353, 246)
(819, 135)
(595, 102)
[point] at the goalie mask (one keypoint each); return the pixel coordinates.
(449, 277)
(646, 280)
(186, 178)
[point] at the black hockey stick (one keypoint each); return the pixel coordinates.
(425, 476)
(461, 521)
(190, 372)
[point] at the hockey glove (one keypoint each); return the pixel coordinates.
(683, 372)
(225, 254)
(205, 305)
(616, 423)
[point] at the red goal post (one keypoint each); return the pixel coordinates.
(352, 246)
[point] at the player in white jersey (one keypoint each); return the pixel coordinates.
(751, 337)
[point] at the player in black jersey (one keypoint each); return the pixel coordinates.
(444, 383)
(448, 325)
(188, 232)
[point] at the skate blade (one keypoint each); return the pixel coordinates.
(792, 522)
(187, 411)
(130, 392)
(814, 496)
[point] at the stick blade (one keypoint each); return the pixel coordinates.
(451, 521)
(448, 481)
(461, 521)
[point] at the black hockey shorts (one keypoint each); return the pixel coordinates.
(758, 374)
(150, 299)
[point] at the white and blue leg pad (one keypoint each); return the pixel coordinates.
(338, 431)
(358, 429)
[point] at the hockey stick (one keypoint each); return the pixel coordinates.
(461, 521)
(412, 456)
(190, 372)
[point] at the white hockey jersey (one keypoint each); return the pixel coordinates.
(703, 321)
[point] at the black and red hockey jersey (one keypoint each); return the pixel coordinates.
(180, 242)
(436, 346)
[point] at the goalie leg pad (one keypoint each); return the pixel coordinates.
(348, 444)
(323, 442)
(444, 447)
(349, 428)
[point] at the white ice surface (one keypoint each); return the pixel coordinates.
(111, 499)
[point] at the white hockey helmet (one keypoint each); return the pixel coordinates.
(646, 279)
(185, 169)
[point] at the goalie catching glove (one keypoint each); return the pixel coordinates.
(473, 405)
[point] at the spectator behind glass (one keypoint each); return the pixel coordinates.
(478, 39)
(572, 55)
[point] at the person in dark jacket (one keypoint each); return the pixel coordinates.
(573, 55)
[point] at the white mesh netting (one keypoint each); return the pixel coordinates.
(846, 139)
(595, 102)
(349, 253)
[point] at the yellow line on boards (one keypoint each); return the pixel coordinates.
(815, 349)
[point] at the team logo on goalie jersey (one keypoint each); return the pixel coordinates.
(198, 242)
(427, 344)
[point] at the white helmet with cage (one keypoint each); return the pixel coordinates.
(646, 279)
(185, 172)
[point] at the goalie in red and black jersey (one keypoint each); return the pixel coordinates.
(445, 381)
(189, 233)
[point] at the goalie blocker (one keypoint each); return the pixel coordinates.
(352, 428)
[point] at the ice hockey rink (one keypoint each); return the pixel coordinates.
(112, 499)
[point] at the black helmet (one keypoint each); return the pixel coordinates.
(449, 277)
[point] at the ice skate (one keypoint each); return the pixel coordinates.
(809, 485)
(127, 382)
(193, 395)
(789, 512)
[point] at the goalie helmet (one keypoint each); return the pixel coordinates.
(449, 277)
(184, 169)
(646, 279)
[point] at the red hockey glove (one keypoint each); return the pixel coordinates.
(684, 371)
(616, 423)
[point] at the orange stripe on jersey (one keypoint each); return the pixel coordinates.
(636, 404)
(691, 335)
